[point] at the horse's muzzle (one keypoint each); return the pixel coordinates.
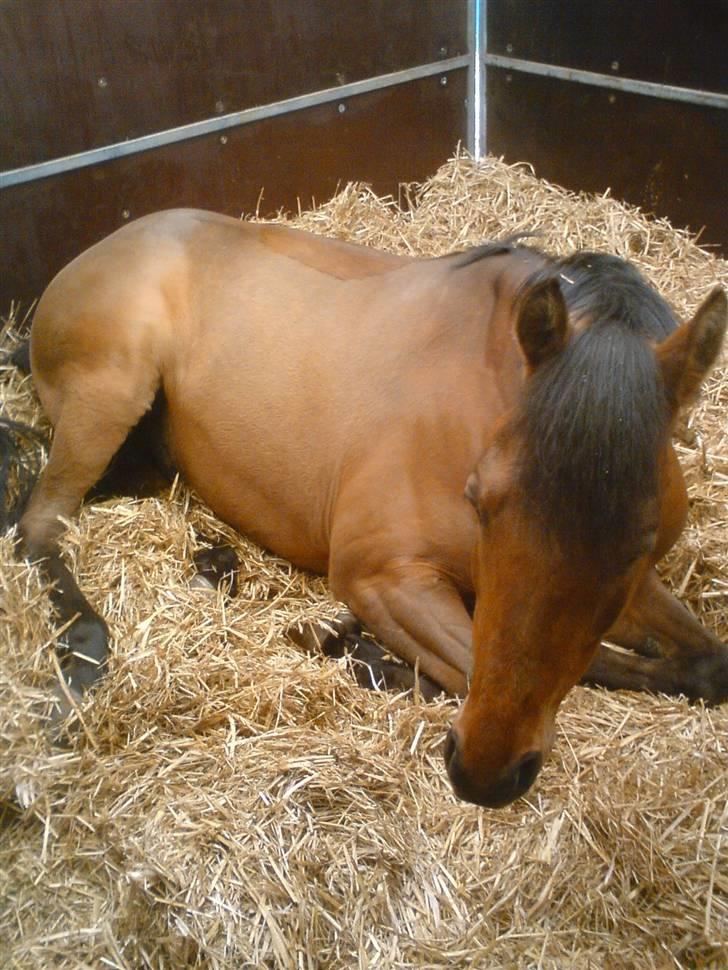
(513, 781)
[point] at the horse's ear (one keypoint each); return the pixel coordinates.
(687, 355)
(542, 325)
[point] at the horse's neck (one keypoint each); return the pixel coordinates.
(475, 318)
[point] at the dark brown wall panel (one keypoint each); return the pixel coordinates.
(678, 42)
(384, 137)
(80, 74)
(666, 156)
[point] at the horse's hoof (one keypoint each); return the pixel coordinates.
(428, 689)
(706, 678)
(84, 651)
(370, 664)
(376, 669)
(325, 636)
(218, 566)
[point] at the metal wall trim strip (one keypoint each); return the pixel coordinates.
(195, 129)
(633, 86)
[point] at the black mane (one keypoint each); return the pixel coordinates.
(508, 244)
(594, 418)
(606, 288)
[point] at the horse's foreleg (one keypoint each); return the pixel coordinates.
(417, 615)
(677, 654)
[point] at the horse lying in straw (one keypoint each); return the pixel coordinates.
(493, 422)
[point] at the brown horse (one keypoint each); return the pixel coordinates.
(493, 422)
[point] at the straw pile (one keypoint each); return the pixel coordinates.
(231, 802)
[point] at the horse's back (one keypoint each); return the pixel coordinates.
(153, 280)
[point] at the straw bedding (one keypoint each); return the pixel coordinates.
(230, 801)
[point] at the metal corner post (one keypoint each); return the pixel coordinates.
(477, 128)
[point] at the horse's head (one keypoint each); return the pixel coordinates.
(575, 494)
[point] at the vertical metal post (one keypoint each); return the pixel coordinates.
(477, 26)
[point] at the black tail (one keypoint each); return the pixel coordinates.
(19, 357)
(21, 454)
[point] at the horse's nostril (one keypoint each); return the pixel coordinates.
(526, 770)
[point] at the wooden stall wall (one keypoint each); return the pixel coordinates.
(85, 74)
(667, 156)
